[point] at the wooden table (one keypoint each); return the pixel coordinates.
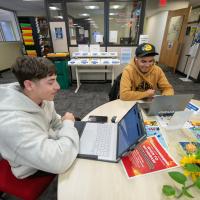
(95, 180)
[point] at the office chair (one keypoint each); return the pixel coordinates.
(29, 188)
(114, 91)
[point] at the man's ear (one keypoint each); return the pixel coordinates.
(28, 85)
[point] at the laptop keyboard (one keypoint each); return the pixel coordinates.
(103, 140)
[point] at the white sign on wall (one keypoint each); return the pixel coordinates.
(113, 36)
(144, 39)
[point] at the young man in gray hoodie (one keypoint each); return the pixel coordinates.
(32, 135)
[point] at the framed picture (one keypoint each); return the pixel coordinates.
(194, 15)
(58, 33)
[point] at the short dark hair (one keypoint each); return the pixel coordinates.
(32, 68)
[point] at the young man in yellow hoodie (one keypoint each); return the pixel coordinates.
(141, 78)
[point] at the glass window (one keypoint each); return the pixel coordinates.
(86, 22)
(7, 31)
(8, 27)
(124, 21)
(56, 11)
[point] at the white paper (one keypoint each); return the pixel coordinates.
(95, 54)
(81, 31)
(84, 61)
(73, 42)
(113, 54)
(193, 50)
(94, 48)
(106, 61)
(103, 54)
(73, 61)
(76, 54)
(83, 48)
(99, 38)
(85, 54)
(179, 119)
(86, 33)
(113, 36)
(95, 61)
(72, 32)
(144, 39)
(126, 54)
(115, 61)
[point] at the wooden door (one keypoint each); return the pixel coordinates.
(173, 37)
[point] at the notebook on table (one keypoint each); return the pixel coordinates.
(110, 141)
(166, 104)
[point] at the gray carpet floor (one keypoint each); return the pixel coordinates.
(91, 96)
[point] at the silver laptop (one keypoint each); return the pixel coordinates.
(166, 104)
(110, 141)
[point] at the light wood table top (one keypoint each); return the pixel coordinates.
(96, 180)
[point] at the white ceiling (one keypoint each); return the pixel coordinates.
(21, 6)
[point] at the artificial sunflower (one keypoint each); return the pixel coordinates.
(191, 165)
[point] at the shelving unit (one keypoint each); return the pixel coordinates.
(35, 34)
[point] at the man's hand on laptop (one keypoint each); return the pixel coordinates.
(68, 116)
(151, 92)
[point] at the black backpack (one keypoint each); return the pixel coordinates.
(114, 91)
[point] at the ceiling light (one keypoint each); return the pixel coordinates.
(113, 14)
(53, 8)
(84, 14)
(59, 17)
(92, 7)
(32, 0)
(115, 7)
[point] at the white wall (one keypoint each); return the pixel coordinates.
(156, 18)
(155, 27)
(153, 7)
(59, 45)
(9, 51)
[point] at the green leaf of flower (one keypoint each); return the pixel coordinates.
(198, 154)
(197, 182)
(186, 193)
(192, 167)
(178, 177)
(168, 190)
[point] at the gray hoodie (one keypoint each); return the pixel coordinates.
(32, 137)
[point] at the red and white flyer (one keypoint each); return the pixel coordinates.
(147, 157)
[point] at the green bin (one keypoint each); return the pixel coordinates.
(62, 73)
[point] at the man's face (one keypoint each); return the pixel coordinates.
(45, 89)
(144, 64)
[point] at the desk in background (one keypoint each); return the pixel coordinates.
(89, 179)
(80, 61)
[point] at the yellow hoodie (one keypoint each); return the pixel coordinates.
(134, 84)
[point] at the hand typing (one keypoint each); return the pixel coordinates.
(151, 92)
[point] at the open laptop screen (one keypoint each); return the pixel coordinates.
(130, 130)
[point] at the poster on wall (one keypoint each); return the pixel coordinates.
(144, 39)
(126, 53)
(58, 33)
(113, 36)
